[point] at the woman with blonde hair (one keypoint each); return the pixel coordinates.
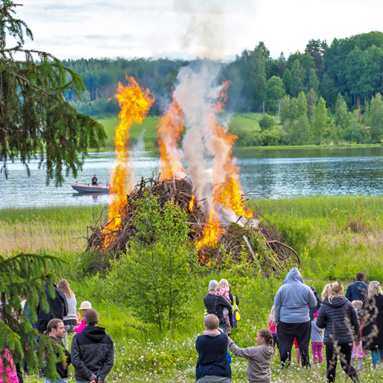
(326, 291)
(338, 317)
(224, 291)
(373, 322)
(70, 320)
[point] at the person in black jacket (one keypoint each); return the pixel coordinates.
(92, 351)
(372, 316)
(358, 290)
(55, 330)
(215, 304)
(58, 308)
(338, 317)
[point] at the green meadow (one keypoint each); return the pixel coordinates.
(239, 124)
(335, 237)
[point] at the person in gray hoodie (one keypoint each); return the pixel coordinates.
(292, 305)
(259, 357)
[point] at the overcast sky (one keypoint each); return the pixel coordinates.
(191, 28)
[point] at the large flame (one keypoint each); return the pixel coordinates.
(212, 231)
(227, 189)
(134, 103)
(169, 133)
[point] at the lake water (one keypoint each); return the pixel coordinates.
(282, 173)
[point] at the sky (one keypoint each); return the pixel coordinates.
(218, 29)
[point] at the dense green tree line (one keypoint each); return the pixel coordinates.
(350, 67)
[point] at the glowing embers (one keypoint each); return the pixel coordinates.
(169, 133)
(134, 103)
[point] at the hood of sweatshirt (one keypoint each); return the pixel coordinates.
(336, 302)
(94, 333)
(266, 351)
(293, 276)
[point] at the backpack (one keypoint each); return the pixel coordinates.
(236, 313)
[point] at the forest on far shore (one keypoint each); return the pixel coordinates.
(326, 94)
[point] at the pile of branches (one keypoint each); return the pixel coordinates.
(258, 238)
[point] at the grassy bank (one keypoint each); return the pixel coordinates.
(334, 236)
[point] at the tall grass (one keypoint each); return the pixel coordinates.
(335, 236)
(57, 230)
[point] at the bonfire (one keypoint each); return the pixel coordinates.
(208, 187)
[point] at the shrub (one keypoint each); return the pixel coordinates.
(267, 122)
(154, 275)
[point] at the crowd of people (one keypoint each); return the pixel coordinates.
(346, 325)
(92, 349)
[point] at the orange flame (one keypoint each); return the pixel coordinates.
(211, 232)
(227, 188)
(191, 203)
(169, 133)
(134, 104)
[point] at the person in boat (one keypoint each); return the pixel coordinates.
(94, 181)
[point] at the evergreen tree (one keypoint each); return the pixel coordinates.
(287, 82)
(313, 82)
(376, 118)
(302, 104)
(26, 275)
(312, 100)
(319, 125)
(340, 110)
(297, 78)
(34, 116)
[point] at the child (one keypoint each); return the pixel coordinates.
(273, 326)
(213, 360)
(223, 290)
(316, 340)
(259, 357)
(84, 307)
(358, 352)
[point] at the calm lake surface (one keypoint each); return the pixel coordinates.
(282, 173)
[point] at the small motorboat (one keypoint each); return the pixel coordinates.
(100, 189)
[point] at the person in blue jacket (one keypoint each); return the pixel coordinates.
(292, 305)
(213, 365)
(358, 290)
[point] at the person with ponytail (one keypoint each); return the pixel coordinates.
(338, 317)
(259, 357)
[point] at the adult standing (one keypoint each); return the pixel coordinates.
(213, 364)
(55, 330)
(215, 305)
(292, 305)
(92, 351)
(94, 180)
(70, 320)
(358, 290)
(58, 309)
(338, 317)
(372, 316)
